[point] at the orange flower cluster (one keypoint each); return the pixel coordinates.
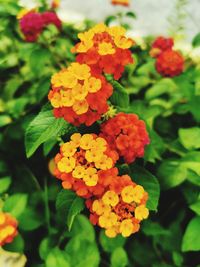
(105, 49)
(83, 163)
(79, 95)
(8, 228)
(169, 63)
(121, 2)
(127, 135)
(121, 208)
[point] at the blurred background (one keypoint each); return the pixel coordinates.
(153, 17)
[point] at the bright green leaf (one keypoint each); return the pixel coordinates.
(119, 258)
(190, 138)
(191, 238)
(16, 204)
(44, 127)
(4, 183)
(57, 258)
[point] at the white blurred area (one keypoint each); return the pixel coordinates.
(152, 15)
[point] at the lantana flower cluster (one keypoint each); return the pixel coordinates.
(83, 162)
(169, 63)
(105, 49)
(80, 92)
(79, 95)
(8, 228)
(32, 23)
(121, 208)
(87, 163)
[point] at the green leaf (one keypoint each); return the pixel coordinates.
(119, 258)
(177, 258)
(190, 138)
(5, 120)
(43, 127)
(196, 207)
(42, 88)
(131, 14)
(191, 238)
(48, 146)
(82, 252)
(57, 258)
(171, 173)
(196, 40)
(150, 184)
(45, 247)
(17, 244)
(83, 227)
(110, 244)
(69, 204)
(161, 87)
(4, 183)
(16, 204)
(153, 229)
(30, 220)
(38, 59)
(119, 97)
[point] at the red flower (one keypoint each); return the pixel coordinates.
(161, 44)
(127, 135)
(31, 26)
(51, 18)
(8, 228)
(170, 63)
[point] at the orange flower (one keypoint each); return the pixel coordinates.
(8, 228)
(78, 95)
(121, 208)
(121, 2)
(82, 162)
(127, 135)
(104, 49)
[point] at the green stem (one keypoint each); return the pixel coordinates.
(47, 212)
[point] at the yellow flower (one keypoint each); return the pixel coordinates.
(123, 42)
(111, 232)
(130, 193)
(104, 163)
(78, 172)
(66, 164)
(84, 46)
(141, 212)
(116, 31)
(98, 28)
(126, 228)
(99, 207)
(90, 177)
(76, 138)
(93, 155)
(92, 85)
(86, 36)
(80, 71)
(22, 13)
(2, 218)
(79, 92)
(68, 149)
(68, 79)
(108, 219)
(105, 49)
(67, 98)
(80, 107)
(86, 140)
(110, 198)
(56, 100)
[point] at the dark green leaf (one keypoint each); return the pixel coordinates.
(69, 204)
